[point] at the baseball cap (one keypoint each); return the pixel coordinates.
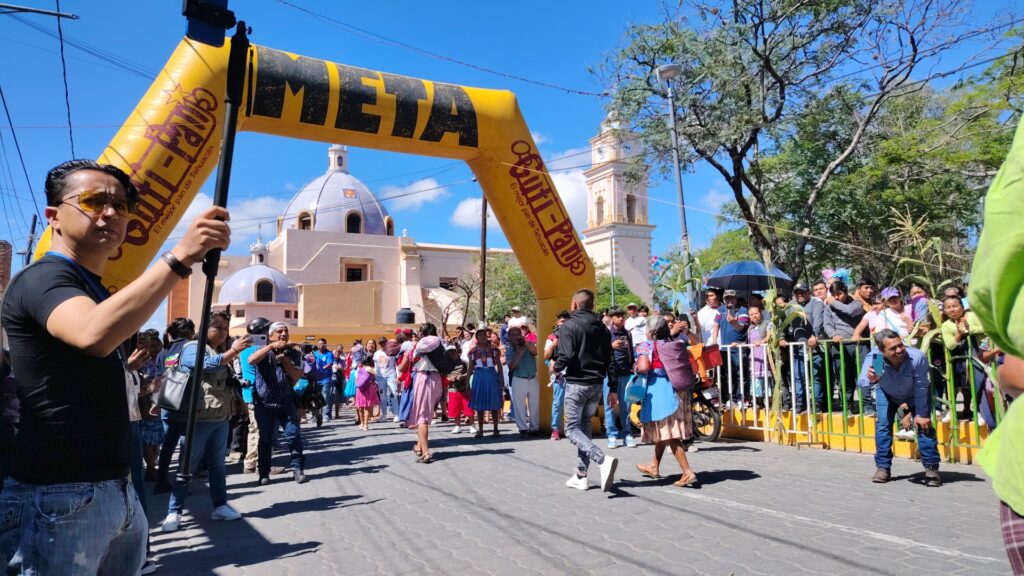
(800, 287)
(515, 309)
(631, 305)
(729, 293)
(890, 292)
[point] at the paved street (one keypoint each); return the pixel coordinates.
(499, 506)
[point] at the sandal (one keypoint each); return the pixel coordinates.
(416, 450)
(478, 435)
(648, 471)
(686, 481)
(425, 459)
(495, 433)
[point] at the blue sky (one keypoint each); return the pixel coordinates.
(553, 42)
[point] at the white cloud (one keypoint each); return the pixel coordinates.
(714, 199)
(467, 215)
(413, 196)
(572, 188)
(571, 159)
(246, 217)
(539, 138)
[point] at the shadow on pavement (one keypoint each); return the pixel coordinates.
(705, 478)
(299, 506)
(725, 448)
(448, 455)
(947, 477)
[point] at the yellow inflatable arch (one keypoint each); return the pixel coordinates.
(170, 144)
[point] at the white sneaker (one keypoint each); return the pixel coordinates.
(905, 434)
(946, 417)
(225, 512)
(395, 420)
(473, 430)
(630, 442)
(613, 443)
(456, 429)
(608, 472)
(171, 523)
(578, 483)
(691, 447)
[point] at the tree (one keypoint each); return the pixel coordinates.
(623, 295)
(757, 78)
(507, 286)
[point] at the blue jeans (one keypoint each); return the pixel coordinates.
(267, 421)
(580, 407)
(799, 379)
(621, 428)
(136, 471)
(843, 376)
(330, 396)
(81, 528)
(174, 431)
(208, 446)
(926, 441)
(557, 401)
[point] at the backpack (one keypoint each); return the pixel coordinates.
(442, 360)
(675, 357)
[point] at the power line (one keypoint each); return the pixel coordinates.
(21, 157)
(125, 64)
(385, 40)
(64, 71)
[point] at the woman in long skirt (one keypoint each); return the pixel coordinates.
(366, 392)
(666, 415)
(426, 391)
(485, 376)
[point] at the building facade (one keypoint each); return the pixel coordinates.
(618, 235)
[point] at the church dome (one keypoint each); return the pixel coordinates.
(337, 202)
(258, 283)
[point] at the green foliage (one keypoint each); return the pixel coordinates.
(814, 155)
(728, 246)
(623, 295)
(507, 286)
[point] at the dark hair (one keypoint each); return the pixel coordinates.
(616, 312)
(644, 308)
(220, 314)
(885, 334)
(683, 317)
(57, 179)
(752, 306)
(428, 329)
(324, 340)
(822, 282)
(563, 314)
(839, 287)
(584, 299)
(368, 361)
(179, 328)
(952, 297)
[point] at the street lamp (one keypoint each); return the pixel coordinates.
(665, 74)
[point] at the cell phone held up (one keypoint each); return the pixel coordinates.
(259, 340)
(878, 364)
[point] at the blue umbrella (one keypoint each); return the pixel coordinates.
(747, 275)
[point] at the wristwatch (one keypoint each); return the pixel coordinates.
(176, 266)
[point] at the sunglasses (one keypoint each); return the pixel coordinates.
(96, 202)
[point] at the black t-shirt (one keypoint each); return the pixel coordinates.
(74, 410)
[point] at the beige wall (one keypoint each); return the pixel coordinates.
(354, 304)
(633, 254)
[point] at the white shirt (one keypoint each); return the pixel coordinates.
(637, 328)
(385, 364)
(706, 319)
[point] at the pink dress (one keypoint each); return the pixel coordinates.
(367, 398)
(426, 393)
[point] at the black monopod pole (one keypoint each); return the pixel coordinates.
(232, 101)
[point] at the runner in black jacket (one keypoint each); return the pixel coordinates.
(584, 353)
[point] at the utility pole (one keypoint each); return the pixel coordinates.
(483, 261)
(27, 253)
(665, 74)
(613, 269)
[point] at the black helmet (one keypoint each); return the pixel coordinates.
(258, 326)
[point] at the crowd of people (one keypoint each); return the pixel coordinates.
(78, 367)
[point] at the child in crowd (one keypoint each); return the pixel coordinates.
(366, 391)
(757, 336)
(458, 393)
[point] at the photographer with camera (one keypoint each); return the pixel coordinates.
(278, 366)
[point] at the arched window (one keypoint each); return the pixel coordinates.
(389, 227)
(305, 221)
(631, 210)
(260, 258)
(599, 211)
(264, 291)
(354, 223)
